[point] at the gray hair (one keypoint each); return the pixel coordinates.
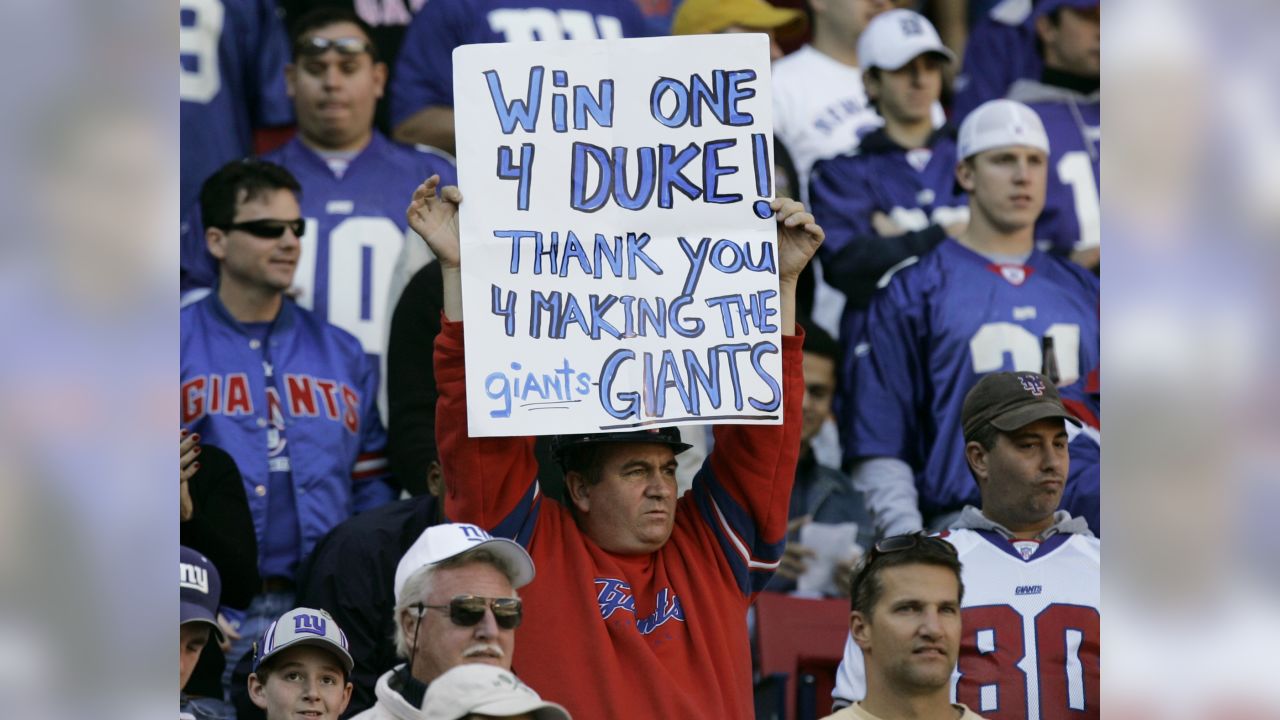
(418, 586)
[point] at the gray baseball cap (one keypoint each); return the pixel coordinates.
(1011, 400)
(485, 690)
(303, 626)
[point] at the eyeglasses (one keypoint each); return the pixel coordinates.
(345, 46)
(467, 610)
(267, 228)
(898, 543)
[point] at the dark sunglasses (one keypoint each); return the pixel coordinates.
(268, 228)
(467, 610)
(350, 46)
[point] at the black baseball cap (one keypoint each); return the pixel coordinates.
(1011, 400)
(670, 436)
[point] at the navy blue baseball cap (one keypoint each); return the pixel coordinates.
(1046, 7)
(200, 589)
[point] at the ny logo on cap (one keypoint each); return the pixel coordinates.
(1032, 384)
(313, 624)
(473, 533)
(194, 577)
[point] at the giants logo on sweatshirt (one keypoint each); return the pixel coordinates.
(304, 396)
(614, 595)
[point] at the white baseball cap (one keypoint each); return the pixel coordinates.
(441, 542)
(303, 626)
(485, 690)
(896, 37)
(1000, 123)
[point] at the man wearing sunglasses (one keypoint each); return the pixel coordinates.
(906, 622)
(456, 603)
(290, 397)
(645, 593)
(1031, 642)
(358, 251)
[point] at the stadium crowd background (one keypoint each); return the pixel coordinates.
(1190, 221)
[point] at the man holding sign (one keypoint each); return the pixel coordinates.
(645, 592)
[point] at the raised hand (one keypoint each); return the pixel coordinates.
(798, 238)
(435, 218)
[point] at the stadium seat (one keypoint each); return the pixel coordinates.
(800, 643)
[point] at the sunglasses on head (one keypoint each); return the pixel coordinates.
(467, 610)
(312, 46)
(898, 543)
(268, 228)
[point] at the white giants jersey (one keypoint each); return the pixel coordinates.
(1030, 645)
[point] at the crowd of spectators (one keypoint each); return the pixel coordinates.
(349, 551)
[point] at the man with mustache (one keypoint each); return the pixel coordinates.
(1031, 643)
(456, 604)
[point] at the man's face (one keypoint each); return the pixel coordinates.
(304, 682)
(819, 391)
(441, 644)
(1074, 43)
(1022, 477)
(906, 95)
(335, 94)
(258, 262)
(194, 636)
(1006, 185)
(633, 508)
(912, 637)
(847, 18)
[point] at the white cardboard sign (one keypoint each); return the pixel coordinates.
(619, 258)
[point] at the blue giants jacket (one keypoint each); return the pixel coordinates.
(322, 389)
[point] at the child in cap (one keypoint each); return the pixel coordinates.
(301, 667)
(477, 690)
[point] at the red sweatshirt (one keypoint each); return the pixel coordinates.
(610, 636)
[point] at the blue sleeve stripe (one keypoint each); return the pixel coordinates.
(518, 525)
(739, 524)
(754, 565)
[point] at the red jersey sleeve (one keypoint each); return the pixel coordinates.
(743, 491)
(492, 481)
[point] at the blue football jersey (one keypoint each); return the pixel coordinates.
(1001, 50)
(914, 188)
(938, 327)
(1072, 218)
(424, 70)
(232, 55)
(358, 252)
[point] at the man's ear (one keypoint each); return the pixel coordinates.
(871, 85)
(1046, 31)
(964, 175)
(216, 240)
(257, 691)
(976, 455)
(575, 483)
(379, 78)
(435, 479)
(860, 629)
(291, 79)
